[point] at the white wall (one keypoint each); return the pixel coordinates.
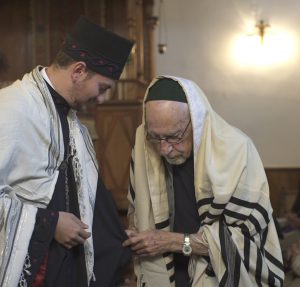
(264, 103)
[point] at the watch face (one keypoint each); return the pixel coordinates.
(187, 250)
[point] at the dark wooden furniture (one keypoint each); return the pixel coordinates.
(116, 123)
(284, 186)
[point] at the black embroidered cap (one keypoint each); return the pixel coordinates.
(103, 52)
(166, 89)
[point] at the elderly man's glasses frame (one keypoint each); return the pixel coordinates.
(171, 140)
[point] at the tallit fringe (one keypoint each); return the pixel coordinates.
(192, 266)
(193, 260)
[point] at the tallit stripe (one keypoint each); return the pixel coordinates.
(212, 216)
(202, 216)
(230, 257)
(14, 215)
(53, 149)
(235, 214)
(89, 145)
(258, 270)
(245, 230)
(264, 239)
(251, 205)
(172, 278)
(275, 276)
(271, 278)
(132, 164)
(218, 205)
(49, 150)
(223, 280)
(162, 224)
(204, 201)
(51, 145)
(24, 199)
(263, 212)
(255, 222)
(246, 252)
(274, 261)
(1, 218)
(131, 167)
(170, 265)
(131, 190)
(237, 269)
(168, 258)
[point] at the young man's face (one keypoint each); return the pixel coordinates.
(90, 87)
(169, 129)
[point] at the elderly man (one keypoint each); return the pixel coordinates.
(57, 221)
(200, 213)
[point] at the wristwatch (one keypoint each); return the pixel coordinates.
(186, 247)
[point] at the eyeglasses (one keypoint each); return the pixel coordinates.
(171, 139)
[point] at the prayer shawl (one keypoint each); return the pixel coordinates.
(32, 149)
(232, 196)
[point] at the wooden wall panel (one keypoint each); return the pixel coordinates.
(116, 16)
(40, 32)
(284, 186)
(32, 31)
(15, 44)
(62, 16)
(96, 11)
(116, 124)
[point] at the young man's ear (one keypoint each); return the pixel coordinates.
(78, 71)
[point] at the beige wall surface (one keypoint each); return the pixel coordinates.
(264, 102)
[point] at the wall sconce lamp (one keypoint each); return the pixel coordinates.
(261, 26)
(264, 48)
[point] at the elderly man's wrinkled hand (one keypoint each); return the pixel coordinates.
(150, 242)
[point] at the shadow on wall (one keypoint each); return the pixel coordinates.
(3, 68)
(3, 63)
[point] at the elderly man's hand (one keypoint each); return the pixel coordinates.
(153, 242)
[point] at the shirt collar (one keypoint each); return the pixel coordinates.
(57, 98)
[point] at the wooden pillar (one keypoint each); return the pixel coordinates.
(151, 24)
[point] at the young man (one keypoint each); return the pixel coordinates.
(199, 200)
(58, 225)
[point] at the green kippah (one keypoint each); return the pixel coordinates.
(167, 90)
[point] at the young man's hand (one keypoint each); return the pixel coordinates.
(70, 231)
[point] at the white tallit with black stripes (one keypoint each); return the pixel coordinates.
(232, 194)
(31, 150)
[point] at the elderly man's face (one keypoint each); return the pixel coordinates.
(169, 129)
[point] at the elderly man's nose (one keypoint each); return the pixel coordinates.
(165, 147)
